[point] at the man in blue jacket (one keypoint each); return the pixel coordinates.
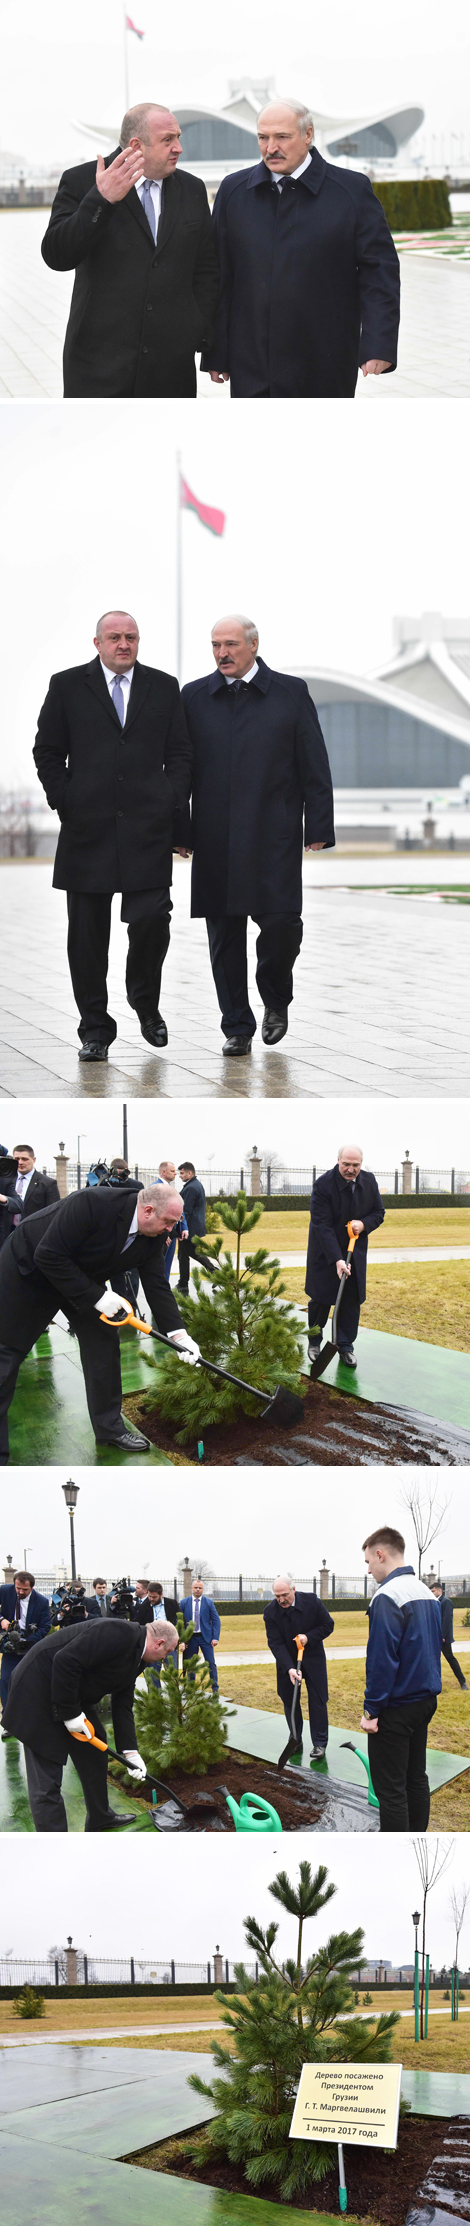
(29, 1613)
(195, 1608)
(403, 1678)
(346, 1193)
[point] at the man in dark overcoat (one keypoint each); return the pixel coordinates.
(61, 1259)
(194, 1202)
(53, 1702)
(113, 755)
(309, 275)
(295, 1615)
(260, 775)
(139, 237)
(346, 1193)
(26, 1188)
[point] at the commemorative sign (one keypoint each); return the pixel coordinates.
(357, 2103)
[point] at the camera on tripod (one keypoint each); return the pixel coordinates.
(122, 1599)
(68, 1605)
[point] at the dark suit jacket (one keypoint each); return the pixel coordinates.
(41, 1191)
(331, 1207)
(309, 1614)
(144, 1612)
(93, 1609)
(194, 1201)
(71, 1671)
(115, 788)
(310, 282)
(71, 1249)
(138, 311)
(38, 1616)
(260, 768)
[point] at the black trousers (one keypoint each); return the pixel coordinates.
(317, 1707)
(148, 915)
(277, 947)
(45, 1781)
(453, 1663)
(188, 1251)
(397, 1757)
(348, 1317)
(100, 1358)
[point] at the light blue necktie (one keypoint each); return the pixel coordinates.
(148, 206)
(118, 700)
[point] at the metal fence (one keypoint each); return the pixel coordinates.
(289, 1182)
(71, 1967)
(249, 1591)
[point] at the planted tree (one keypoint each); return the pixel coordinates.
(29, 2003)
(241, 1320)
(181, 1723)
(298, 2013)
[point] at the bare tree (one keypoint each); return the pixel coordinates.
(432, 1858)
(427, 1512)
(198, 1566)
(458, 1899)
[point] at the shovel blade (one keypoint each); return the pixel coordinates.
(294, 1747)
(328, 1352)
(285, 1407)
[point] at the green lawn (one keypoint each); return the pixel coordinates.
(419, 1225)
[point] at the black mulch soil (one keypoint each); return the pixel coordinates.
(379, 2187)
(299, 1805)
(338, 1431)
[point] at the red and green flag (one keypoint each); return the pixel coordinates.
(214, 519)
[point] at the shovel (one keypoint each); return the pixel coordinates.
(284, 1406)
(328, 1351)
(203, 1807)
(295, 1742)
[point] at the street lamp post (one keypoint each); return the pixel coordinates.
(415, 1922)
(71, 1492)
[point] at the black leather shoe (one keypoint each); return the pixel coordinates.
(130, 1440)
(91, 1051)
(115, 1823)
(274, 1025)
(349, 1357)
(237, 1047)
(155, 1030)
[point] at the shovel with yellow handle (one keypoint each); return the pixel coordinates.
(328, 1351)
(284, 1406)
(295, 1742)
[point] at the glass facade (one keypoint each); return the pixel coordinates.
(371, 745)
(210, 139)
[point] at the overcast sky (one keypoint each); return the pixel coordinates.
(327, 536)
(64, 65)
(155, 1899)
(134, 1526)
(303, 1133)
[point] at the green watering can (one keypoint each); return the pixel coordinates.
(254, 1814)
(373, 1802)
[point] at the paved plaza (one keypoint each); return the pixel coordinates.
(381, 987)
(34, 301)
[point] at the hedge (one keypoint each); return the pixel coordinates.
(415, 204)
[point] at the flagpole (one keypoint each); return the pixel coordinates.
(126, 62)
(179, 572)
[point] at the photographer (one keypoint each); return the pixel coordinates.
(24, 1618)
(53, 1702)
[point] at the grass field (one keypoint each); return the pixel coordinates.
(247, 1633)
(288, 1232)
(413, 1299)
(142, 2009)
(255, 1687)
(447, 2047)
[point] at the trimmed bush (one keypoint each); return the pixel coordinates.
(29, 2004)
(415, 204)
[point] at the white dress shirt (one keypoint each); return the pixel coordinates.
(125, 680)
(231, 677)
(23, 1606)
(21, 1184)
(279, 175)
(156, 194)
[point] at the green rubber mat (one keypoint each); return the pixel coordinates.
(257, 1732)
(49, 1419)
(102, 2193)
(436, 2094)
(15, 1813)
(400, 1372)
(110, 2120)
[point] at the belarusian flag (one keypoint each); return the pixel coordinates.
(130, 26)
(214, 519)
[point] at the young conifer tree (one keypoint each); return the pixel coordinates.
(292, 2016)
(181, 1723)
(241, 1320)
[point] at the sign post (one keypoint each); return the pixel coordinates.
(355, 2103)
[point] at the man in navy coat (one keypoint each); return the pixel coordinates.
(345, 1193)
(309, 275)
(295, 1615)
(29, 1612)
(195, 1608)
(260, 776)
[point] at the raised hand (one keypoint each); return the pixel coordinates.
(116, 180)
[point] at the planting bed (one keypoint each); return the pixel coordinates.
(337, 1432)
(380, 2188)
(300, 1802)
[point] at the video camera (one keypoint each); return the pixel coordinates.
(102, 1177)
(122, 1601)
(15, 1641)
(68, 1606)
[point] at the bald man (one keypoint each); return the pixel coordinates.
(113, 754)
(346, 1193)
(309, 276)
(261, 786)
(293, 1615)
(138, 236)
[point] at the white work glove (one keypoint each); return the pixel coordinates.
(110, 1304)
(77, 1723)
(141, 1683)
(185, 1346)
(136, 1766)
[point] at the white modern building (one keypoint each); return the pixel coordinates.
(218, 141)
(398, 741)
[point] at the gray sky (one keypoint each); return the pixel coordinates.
(122, 1527)
(178, 1900)
(319, 546)
(303, 1132)
(63, 64)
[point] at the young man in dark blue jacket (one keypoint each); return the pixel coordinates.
(403, 1678)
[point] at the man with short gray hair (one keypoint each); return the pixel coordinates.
(345, 1195)
(309, 275)
(139, 238)
(260, 772)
